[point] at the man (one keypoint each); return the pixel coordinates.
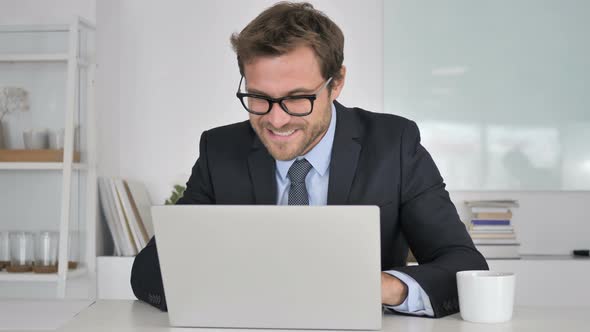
(300, 146)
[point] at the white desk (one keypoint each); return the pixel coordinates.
(21, 315)
(124, 315)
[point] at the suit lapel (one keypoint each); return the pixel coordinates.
(345, 154)
(262, 173)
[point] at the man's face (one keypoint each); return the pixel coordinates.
(294, 73)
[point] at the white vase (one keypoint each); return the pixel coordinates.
(2, 145)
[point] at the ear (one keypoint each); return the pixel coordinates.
(338, 85)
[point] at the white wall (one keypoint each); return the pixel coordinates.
(107, 87)
(45, 12)
(167, 73)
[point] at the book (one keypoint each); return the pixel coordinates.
(500, 203)
(496, 241)
(140, 224)
(476, 210)
(493, 228)
(130, 216)
(143, 205)
(490, 222)
(509, 251)
(129, 246)
(493, 215)
(127, 211)
(492, 236)
(491, 231)
(108, 213)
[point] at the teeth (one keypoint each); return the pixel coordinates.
(286, 133)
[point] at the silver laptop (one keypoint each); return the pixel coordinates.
(312, 267)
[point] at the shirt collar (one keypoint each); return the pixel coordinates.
(319, 157)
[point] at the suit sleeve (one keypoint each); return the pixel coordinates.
(431, 225)
(146, 278)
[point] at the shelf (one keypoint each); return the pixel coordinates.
(34, 277)
(34, 28)
(50, 57)
(26, 156)
(523, 259)
(39, 166)
(543, 258)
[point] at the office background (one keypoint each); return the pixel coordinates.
(166, 72)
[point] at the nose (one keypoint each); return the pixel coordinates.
(277, 117)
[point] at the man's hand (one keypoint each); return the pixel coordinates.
(393, 290)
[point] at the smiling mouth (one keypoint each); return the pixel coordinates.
(278, 134)
(283, 133)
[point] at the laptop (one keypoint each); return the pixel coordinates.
(287, 267)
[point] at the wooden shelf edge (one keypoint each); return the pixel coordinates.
(34, 277)
(33, 156)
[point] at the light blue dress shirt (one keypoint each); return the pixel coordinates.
(316, 182)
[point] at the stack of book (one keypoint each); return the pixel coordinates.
(491, 228)
(126, 208)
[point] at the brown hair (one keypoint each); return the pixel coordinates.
(287, 25)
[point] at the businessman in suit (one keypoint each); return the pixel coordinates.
(301, 147)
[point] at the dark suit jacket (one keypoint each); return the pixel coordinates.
(377, 159)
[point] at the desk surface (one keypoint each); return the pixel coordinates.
(106, 315)
(38, 314)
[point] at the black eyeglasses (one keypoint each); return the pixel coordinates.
(299, 105)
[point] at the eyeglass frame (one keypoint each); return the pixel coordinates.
(271, 101)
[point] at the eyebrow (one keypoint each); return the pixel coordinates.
(290, 93)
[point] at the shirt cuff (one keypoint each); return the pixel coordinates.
(417, 302)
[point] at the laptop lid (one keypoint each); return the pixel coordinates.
(311, 267)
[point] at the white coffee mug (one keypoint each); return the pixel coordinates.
(486, 296)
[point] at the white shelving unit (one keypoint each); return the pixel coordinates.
(66, 53)
(40, 166)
